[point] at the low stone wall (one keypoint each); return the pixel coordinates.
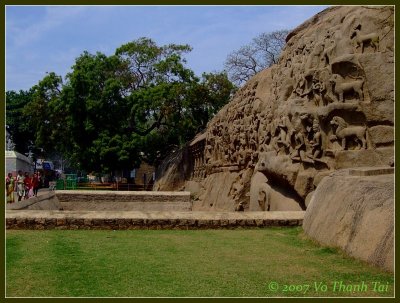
(149, 220)
(354, 210)
(127, 201)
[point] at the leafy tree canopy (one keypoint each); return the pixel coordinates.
(112, 112)
(16, 123)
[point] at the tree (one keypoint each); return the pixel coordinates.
(93, 110)
(22, 135)
(168, 104)
(143, 62)
(42, 114)
(114, 111)
(205, 98)
(262, 52)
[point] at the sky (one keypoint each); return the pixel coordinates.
(42, 39)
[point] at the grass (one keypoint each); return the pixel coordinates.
(176, 263)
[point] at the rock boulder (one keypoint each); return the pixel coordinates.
(355, 212)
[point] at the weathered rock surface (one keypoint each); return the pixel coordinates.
(355, 212)
(265, 198)
(327, 104)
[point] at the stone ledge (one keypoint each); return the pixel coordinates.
(149, 220)
(125, 193)
(371, 171)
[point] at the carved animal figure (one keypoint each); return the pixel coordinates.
(362, 40)
(344, 131)
(341, 87)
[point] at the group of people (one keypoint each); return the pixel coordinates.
(25, 185)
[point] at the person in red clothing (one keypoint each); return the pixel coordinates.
(35, 184)
(28, 185)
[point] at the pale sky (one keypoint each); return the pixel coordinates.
(42, 39)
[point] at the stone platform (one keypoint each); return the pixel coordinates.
(54, 219)
(81, 200)
(90, 200)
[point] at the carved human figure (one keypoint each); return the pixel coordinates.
(298, 75)
(299, 151)
(264, 132)
(243, 155)
(253, 140)
(329, 52)
(230, 156)
(285, 131)
(314, 59)
(318, 89)
(226, 138)
(242, 137)
(325, 86)
(304, 84)
(237, 187)
(316, 142)
(288, 82)
(273, 146)
(218, 148)
(235, 155)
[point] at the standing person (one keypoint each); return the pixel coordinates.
(35, 184)
(20, 185)
(10, 186)
(28, 185)
(40, 184)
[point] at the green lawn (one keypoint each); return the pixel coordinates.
(165, 263)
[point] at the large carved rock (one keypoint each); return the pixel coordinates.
(328, 104)
(355, 213)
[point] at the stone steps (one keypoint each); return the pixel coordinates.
(31, 219)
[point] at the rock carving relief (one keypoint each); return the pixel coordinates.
(307, 112)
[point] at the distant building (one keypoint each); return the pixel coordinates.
(16, 161)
